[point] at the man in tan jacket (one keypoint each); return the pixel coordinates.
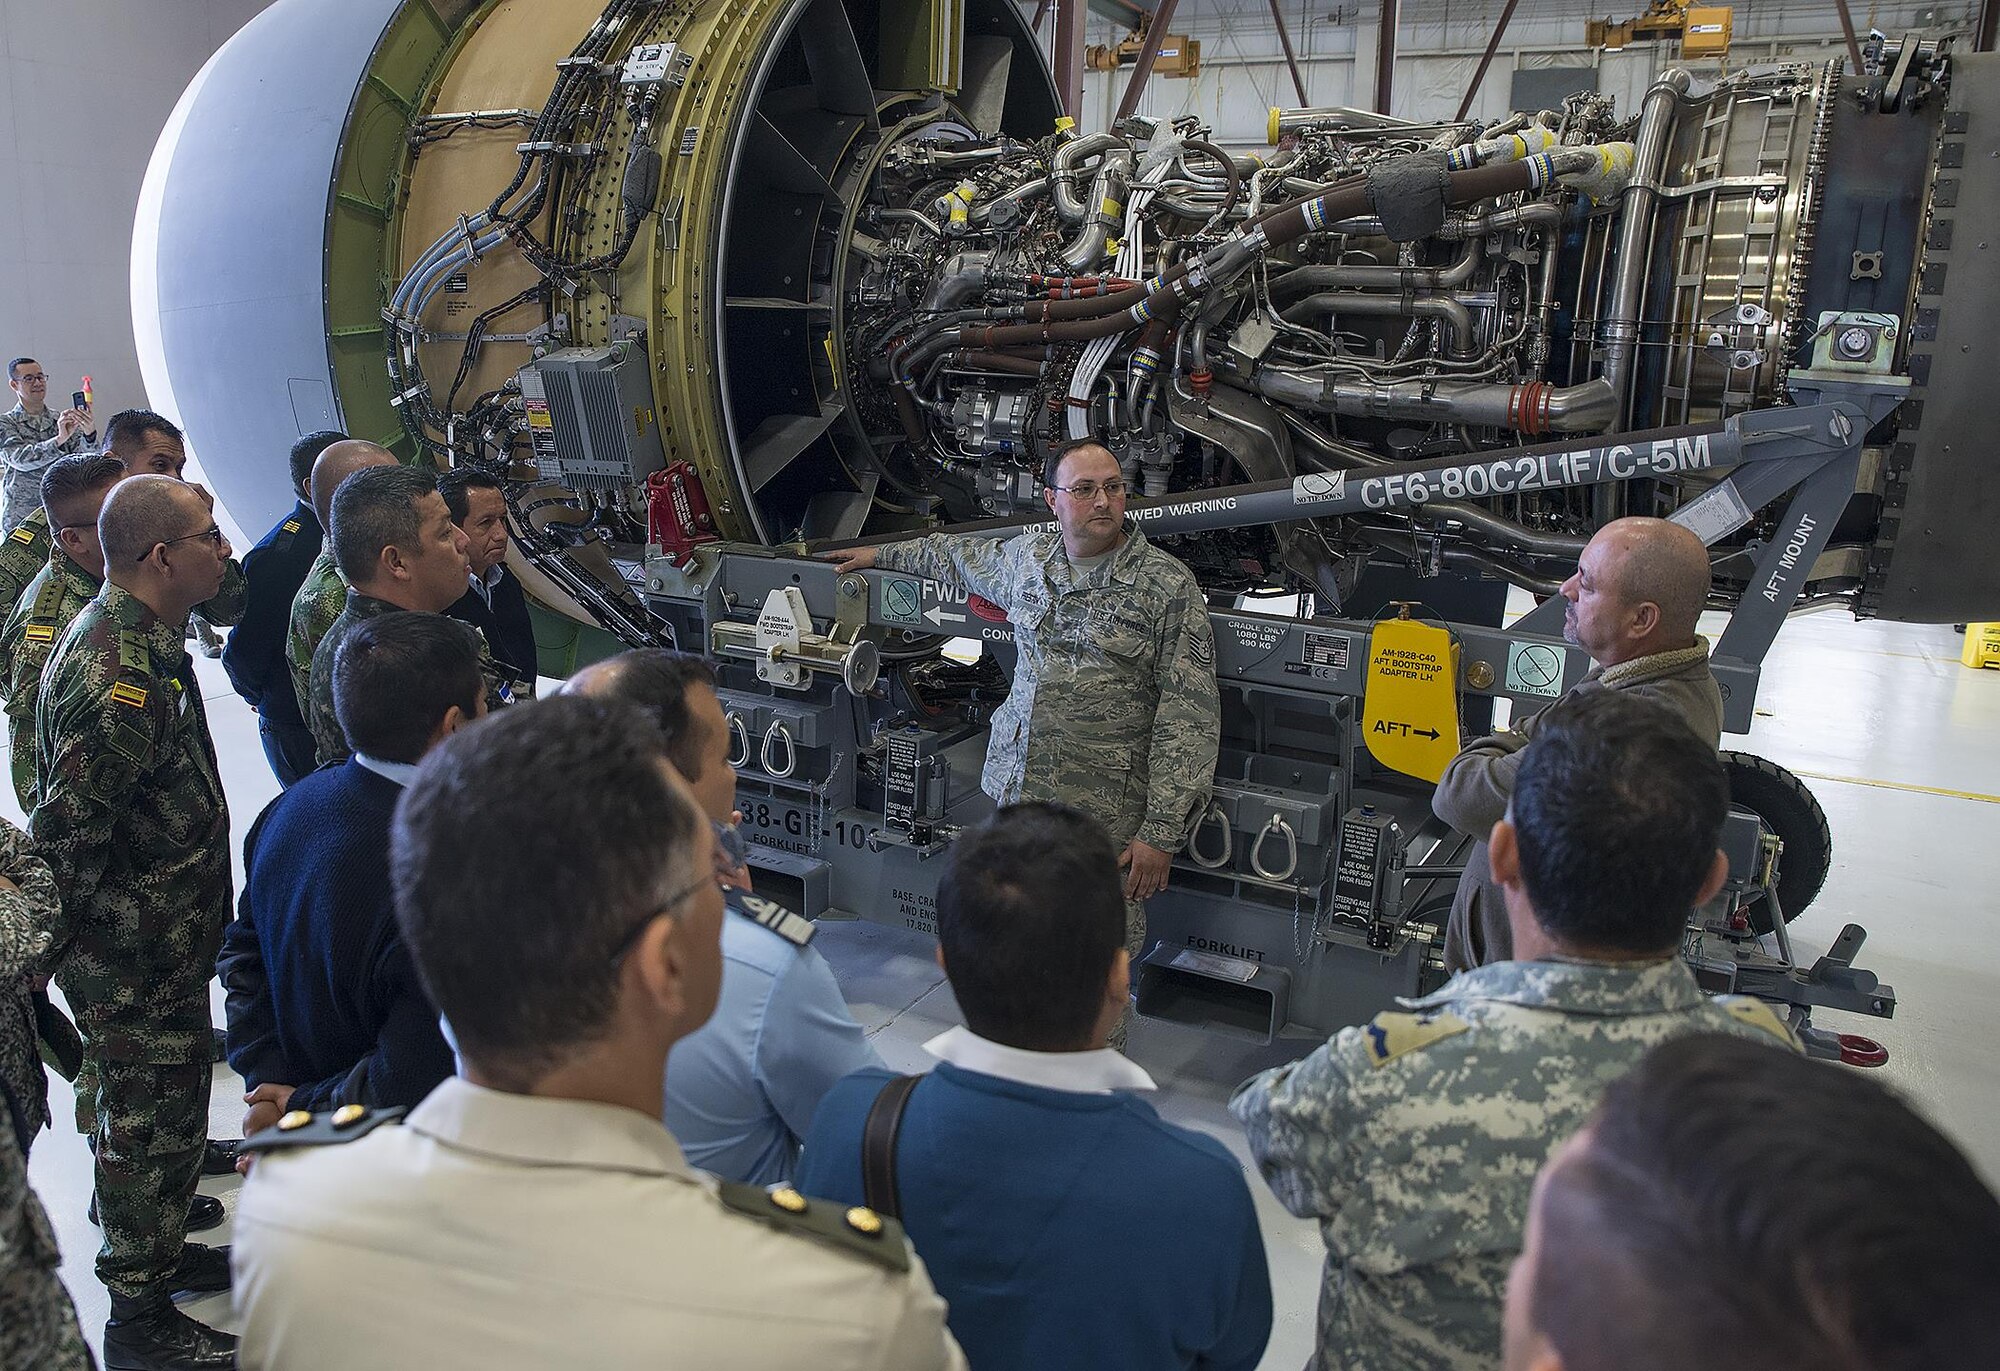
(1637, 594)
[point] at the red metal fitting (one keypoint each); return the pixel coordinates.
(1856, 1050)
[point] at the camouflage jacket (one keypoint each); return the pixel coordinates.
(50, 603)
(330, 742)
(25, 920)
(23, 553)
(131, 818)
(28, 447)
(38, 1326)
(320, 599)
(1415, 1139)
(1114, 707)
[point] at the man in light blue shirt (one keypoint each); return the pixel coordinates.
(742, 1091)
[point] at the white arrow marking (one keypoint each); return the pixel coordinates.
(937, 616)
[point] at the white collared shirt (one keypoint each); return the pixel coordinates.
(485, 584)
(402, 773)
(1097, 1072)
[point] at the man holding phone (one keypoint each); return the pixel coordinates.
(32, 439)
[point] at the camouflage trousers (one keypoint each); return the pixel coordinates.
(150, 1121)
(1135, 945)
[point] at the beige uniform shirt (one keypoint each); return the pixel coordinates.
(498, 1231)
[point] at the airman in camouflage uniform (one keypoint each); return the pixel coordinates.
(38, 1327)
(1114, 708)
(1415, 1139)
(132, 820)
(332, 743)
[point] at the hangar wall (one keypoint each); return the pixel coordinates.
(1438, 46)
(85, 87)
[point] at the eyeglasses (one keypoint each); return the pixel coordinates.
(1087, 490)
(213, 533)
(722, 869)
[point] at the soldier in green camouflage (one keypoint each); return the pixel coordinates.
(28, 907)
(1114, 708)
(23, 552)
(323, 594)
(38, 1327)
(1414, 1139)
(74, 488)
(394, 541)
(131, 819)
(149, 444)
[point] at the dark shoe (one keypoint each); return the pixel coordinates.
(152, 1335)
(219, 1158)
(219, 1055)
(204, 1213)
(202, 1270)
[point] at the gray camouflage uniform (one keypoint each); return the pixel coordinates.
(28, 447)
(1415, 1139)
(1478, 784)
(1114, 708)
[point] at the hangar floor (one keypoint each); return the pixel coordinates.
(1900, 743)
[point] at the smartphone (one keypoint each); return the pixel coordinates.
(77, 400)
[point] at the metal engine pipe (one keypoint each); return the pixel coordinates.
(1531, 408)
(1454, 313)
(1620, 329)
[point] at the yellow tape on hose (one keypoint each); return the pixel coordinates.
(1409, 713)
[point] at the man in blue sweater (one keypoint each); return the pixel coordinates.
(324, 1006)
(1064, 1221)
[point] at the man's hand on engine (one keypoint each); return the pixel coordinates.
(1146, 869)
(848, 559)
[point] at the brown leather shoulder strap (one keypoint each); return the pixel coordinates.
(878, 1146)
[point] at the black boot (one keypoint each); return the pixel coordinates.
(202, 1270)
(146, 1333)
(204, 1212)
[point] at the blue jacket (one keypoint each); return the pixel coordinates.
(254, 656)
(509, 628)
(321, 993)
(742, 1091)
(1065, 1229)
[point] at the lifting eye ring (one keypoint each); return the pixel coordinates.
(739, 756)
(1194, 852)
(1277, 825)
(773, 735)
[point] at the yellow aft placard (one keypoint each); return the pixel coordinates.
(1409, 711)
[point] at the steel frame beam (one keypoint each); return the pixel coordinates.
(1292, 58)
(1149, 52)
(1492, 47)
(1066, 57)
(1385, 57)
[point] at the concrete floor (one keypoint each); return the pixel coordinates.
(1900, 743)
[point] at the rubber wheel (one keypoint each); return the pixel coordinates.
(1789, 810)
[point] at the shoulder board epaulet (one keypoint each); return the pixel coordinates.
(851, 1228)
(1389, 1036)
(134, 654)
(1748, 1009)
(793, 928)
(300, 1129)
(23, 535)
(290, 526)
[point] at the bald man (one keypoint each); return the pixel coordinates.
(323, 593)
(1633, 603)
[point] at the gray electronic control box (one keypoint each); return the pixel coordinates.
(590, 416)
